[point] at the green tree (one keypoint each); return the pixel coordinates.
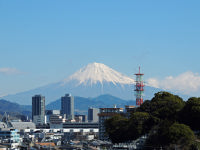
(163, 105)
(121, 129)
(157, 136)
(180, 134)
(170, 135)
(145, 107)
(117, 128)
(158, 118)
(139, 124)
(190, 114)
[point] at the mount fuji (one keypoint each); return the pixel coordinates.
(90, 81)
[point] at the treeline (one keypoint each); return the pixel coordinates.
(166, 120)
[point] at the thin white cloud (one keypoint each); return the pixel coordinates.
(186, 83)
(2, 95)
(153, 82)
(9, 71)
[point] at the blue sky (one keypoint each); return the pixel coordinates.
(46, 41)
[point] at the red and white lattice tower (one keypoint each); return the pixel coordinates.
(139, 88)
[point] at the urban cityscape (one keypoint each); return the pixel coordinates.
(99, 75)
(149, 124)
(62, 129)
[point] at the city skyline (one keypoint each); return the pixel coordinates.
(45, 42)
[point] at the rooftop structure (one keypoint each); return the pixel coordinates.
(129, 108)
(23, 125)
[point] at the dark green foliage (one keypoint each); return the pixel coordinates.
(180, 133)
(145, 107)
(159, 119)
(117, 129)
(170, 135)
(138, 124)
(190, 114)
(164, 105)
(121, 129)
(195, 146)
(157, 135)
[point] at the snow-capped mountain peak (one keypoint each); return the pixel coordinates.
(82, 83)
(98, 72)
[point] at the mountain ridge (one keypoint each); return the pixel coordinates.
(13, 108)
(82, 104)
(90, 81)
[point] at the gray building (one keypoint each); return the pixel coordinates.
(67, 106)
(49, 113)
(52, 112)
(38, 107)
(83, 117)
(93, 115)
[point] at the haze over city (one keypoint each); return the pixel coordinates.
(43, 42)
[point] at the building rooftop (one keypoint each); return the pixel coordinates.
(23, 125)
(46, 144)
(111, 108)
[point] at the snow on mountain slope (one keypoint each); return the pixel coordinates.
(97, 72)
(91, 81)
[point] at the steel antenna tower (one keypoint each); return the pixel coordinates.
(139, 88)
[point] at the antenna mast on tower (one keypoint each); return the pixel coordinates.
(139, 88)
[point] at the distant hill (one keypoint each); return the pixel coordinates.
(14, 109)
(82, 104)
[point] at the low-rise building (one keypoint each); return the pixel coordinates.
(10, 137)
(39, 119)
(80, 118)
(48, 113)
(56, 121)
(129, 109)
